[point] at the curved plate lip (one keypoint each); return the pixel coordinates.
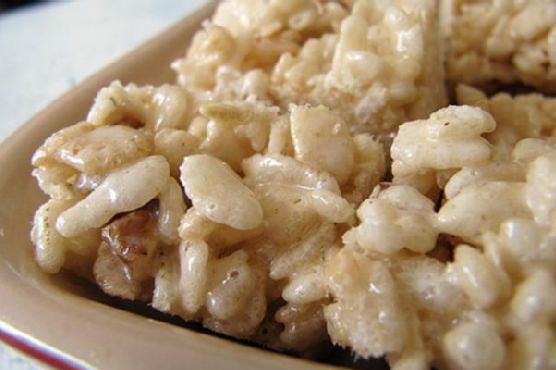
(41, 320)
(27, 345)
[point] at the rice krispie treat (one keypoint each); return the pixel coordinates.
(502, 42)
(382, 68)
(305, 183)
(525, 115)
(481, 297)
(377, 63)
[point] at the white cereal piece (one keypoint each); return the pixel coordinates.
(525, 246)
(527, 150)
(171, 209)
(306, 252)
(169, 108)
(322, 139)
(533, 300)
(482, 174)
(470, 213)
(533, 348)
(56, 180)
(218, 193)
(450, 138)
(231, 284)
(193, 225)
(306, 286)
(174, 145)
(166, 294)
(125, 189)
(117, 104)
(472, 346)
(368, 170)
(331, 207)
(276, 168)
(480, 279)
(366, 314)
(540, 190)
(50, 246)
(396, 218)
(105, 148)
(194, 274)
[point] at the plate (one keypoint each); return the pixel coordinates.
(59, 321)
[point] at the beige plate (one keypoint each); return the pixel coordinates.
(54, 319)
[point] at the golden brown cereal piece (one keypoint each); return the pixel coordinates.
(112, 276)
(224, 112)
(126, 257)
(133, 238)
(304, 326)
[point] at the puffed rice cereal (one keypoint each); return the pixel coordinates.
(305, 183)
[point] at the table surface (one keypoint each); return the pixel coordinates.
(46, 49)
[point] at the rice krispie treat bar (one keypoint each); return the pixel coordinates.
(305, 183)
(502, 42)
(378, 63)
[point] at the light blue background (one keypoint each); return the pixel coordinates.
(46, 49)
